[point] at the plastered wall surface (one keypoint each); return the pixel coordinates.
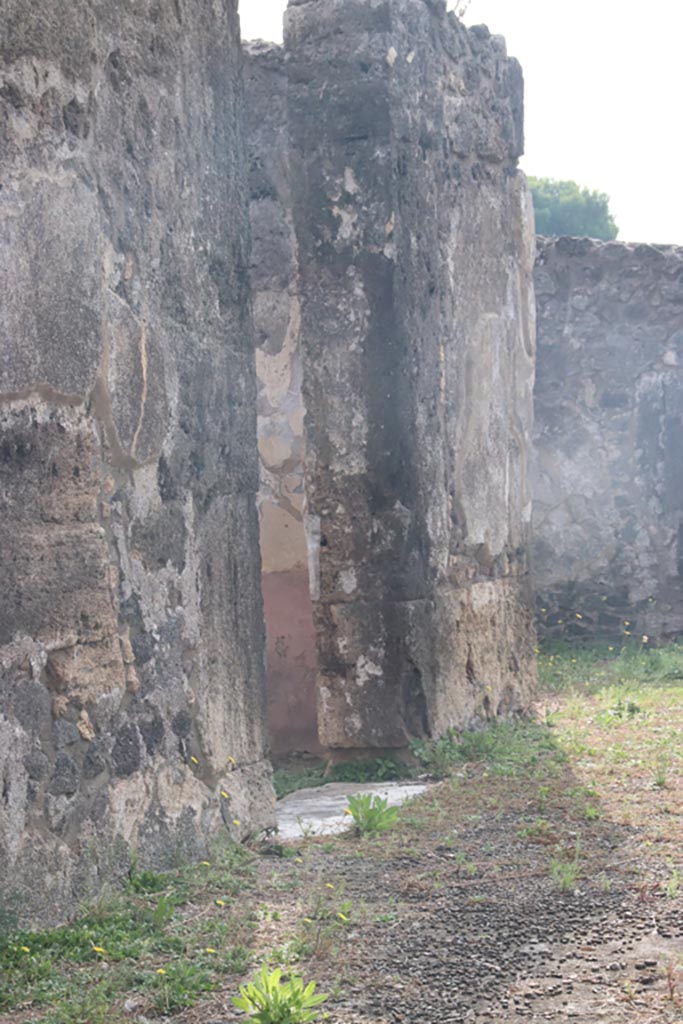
(290, 631)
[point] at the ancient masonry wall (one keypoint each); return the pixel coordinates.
(131, 647)
(415, 322)
(608, 473)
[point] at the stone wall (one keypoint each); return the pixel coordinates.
(286, 593)
(131, 647)
(415, 321)
(608, 475)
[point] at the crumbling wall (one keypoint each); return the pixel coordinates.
(415, 255)
(131, 647)
(608, 476)
(290, 633)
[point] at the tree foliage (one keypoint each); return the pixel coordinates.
(563, 208)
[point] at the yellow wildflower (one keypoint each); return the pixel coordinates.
(579, 615)
(231, 760)
(209, 949)
(236, 821)
(220, 903)
(627, 632)
(225, 795)
(25, 949)
(328, 885)
(160, 970)
(308, 920)
(206, 863)
(98, 949)
(194, 760)
(342, 917)
(299, 860)
(347, 810)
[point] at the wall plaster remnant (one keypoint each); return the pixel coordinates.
(413, 314)
(607, 477)
(290, 632)
(131, 646)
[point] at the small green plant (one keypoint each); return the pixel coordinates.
(566, 873)
(148, 881)
(307, 828)
(674, 977)
(326, 917)
(543, 794)
(180, 985)
(623, 709)
(270, 1000)
(438, 756)
(465, 865)
(673, 886)
(371, 813)
(539, 830)
(660, 770)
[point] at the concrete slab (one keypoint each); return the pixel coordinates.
(320, 811)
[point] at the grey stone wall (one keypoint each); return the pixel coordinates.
(415, 252)
(131, 636)
(608, 474)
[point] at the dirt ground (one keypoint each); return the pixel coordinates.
(541, 881)
(462, 920)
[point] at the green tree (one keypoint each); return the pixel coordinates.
(563, 208)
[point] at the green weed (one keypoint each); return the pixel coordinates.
(371, 813)
(269, 999)
(566, 873)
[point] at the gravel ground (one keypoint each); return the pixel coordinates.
(458, 916)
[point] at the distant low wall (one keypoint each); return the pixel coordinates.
(608, 466)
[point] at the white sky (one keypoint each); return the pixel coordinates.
(604, 92)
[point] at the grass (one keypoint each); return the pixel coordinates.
(288, 779)
(589, 668)
(149, 942)
(621, 708)
(507, 748)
